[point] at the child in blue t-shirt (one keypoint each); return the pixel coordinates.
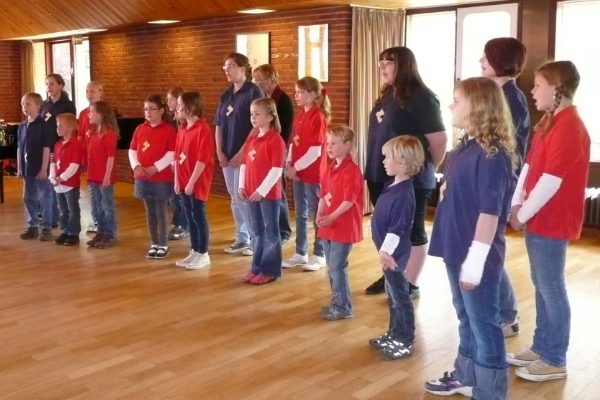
(391, 226)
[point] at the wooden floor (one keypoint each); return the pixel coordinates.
(79, 323)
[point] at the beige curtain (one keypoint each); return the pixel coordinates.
(372, 32)
(27, 67)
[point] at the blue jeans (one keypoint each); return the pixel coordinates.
(104, 204)
(70, 213)
(239, 207)
(285, 231)
(508, 301)
(306, 202)
(402, 313)
(337, 254)
(55, 209)
(481, 361)
(92, 203)
(37, 194)
(547, 258)
(195, 212)
(177, 208)
(266, 244)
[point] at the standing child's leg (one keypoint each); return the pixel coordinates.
(258, 229)
(402, 317)
(63, 207)
(341, 305)
(300, 257)
(96, 194)
(186, 201)
(200, 241)
(270, 241)
(152, 223)
(46, 196)
(93, 225)
(74, 220)
(162, 219)
(317, 261)
(107, 205)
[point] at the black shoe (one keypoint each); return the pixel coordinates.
(30, 233)
(61, 239)
(285, 239)
(413, 292)
(54, 225)
(72, 240)
(376, 287)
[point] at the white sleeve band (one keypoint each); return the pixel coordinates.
(52, 171)
(517, 198)
(307, 159)
(543, 191)
(471, 270)
(270, 180)
(70, 171)
(133, 159)
(242, 179)
(165, 161)
(289, 157)
(390, 243)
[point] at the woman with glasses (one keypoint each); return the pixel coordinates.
(232, 121)
(405, 107)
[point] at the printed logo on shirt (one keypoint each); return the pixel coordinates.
(252, 154)
(48, 116)
(328, 198)
(58, 164)
(229, 110)
(146, 146)
(296, 140)
(379, 114)
(182, 158)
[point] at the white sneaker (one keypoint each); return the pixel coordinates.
(295, 261)
(314, 264)
(184, 263)
(200, 261)
(92, 227)
(248, 251)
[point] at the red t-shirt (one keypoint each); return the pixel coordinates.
(309, 130)
(260, 155)
(343, 182)
(195, 143)
(563, 152)
(99, 149)
(83, 126)
(151, 144)
(66, 153)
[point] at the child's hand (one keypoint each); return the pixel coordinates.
(139, 170)
(386, 261)
(222, 159)
(242, 194)
(42, 175)
(255, 197)
(189, 189)
(290, 173)
(150, 171)
(324, 221)
(106, 182)
(236, 160)
(176, 188)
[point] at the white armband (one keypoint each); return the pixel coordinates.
(471, 270)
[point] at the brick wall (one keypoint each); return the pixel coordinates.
(134, 62)
(10, 84)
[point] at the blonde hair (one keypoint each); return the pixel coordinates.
(487, 117)
(407, 148)
(311, 84)
(69, 119)
(346, 135)
(565, 77)
(269, 105)
(268, 72)
(107, 118)
(98, 86)
(35, 97)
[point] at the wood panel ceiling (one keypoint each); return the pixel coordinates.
(23, 18)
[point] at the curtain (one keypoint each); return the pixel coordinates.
(373, 31)
(27, 67)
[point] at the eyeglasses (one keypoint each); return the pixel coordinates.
(384, 63)
(229, 66)
(150, 109)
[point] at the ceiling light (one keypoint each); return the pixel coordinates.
(256, 11)
(164, 21)
(55, 35)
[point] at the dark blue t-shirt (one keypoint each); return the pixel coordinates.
(233, 116)
(517, 102)
(475, 183)
(31, 140)
(394, 213)
(50, 110)
(420, 116)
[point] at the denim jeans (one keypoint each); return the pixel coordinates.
(306, 202)
(285, 230)
(195, 212)
(336, 254)
(481, 360)
(70, 213)
(547, 258)
(239, 207)
(55, 209)
(92, 203)
(37, 195)
(104, 204)
(402, 313)
(158, 221)
(179, 218)
(508, 301)
(266, 244)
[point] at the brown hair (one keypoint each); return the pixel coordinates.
(158, 100)
(193, 103)
(242, 61)
(407, 148)
(506, 56)
(271, 108)
(311, 84)
(268, 71)
(57, 77)
(69, 119)
(565, 77)
(35, 97)
(175, 91)
(107, 117)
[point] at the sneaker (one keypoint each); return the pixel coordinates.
(184, 263)
(61, 239)
(30, 233)
(295, 261)
(263, 279)
(510, 329)
(380, 342)
(414, 292)
(248, 251)
(72, 240)
(522, 358)
(152, 252)
(447, 386)
(45, 235)
(178, 233)
(248, 278)
(106, 242)
(162, 252)
(236, 247)
(396, 350)
(333, 314)
(539, 371)
(376, 287)
(200, 261)
(314, 264)
(92, 227)
(96, 239)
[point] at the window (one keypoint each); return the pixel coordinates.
(82, 73)
(39, 68)
(61, 64)
(577, 30)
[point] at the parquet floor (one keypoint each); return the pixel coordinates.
(79, 323)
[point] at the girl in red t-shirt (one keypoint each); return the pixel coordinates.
(339, 217)
(260, 184)
(194, 164)
(548, 203)
(151, 153)
(304, 166)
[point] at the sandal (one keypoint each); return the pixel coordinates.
(152, 252)
(162, 252)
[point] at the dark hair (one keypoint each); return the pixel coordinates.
(242, 61)
(407, 79)
(506, 56)
(57, 77)
(175, 91)
(107, 116)
(158, 100)
(193, 103)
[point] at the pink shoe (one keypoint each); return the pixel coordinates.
(263, 279)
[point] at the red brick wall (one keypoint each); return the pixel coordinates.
(10, 84)
(134, 62)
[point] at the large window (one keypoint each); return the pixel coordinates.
(577, 33)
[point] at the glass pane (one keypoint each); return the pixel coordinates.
(61, 64)
(576, 24)
(39, 68)
(435, 31)
(82, 73)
